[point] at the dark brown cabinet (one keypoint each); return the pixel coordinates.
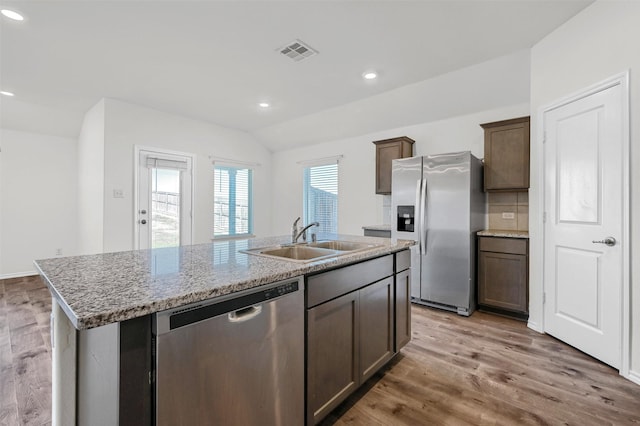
(506, 155)
(503, 271)
(349, 339)
(351, 336)
(333, 355)
(403, 299)
(376, 327)
(386, 151)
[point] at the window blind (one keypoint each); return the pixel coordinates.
(162, 163)
(320, 195)
(232, 204)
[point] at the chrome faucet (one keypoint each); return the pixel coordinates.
(303, 232)
(294, 230)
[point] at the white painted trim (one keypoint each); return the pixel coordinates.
(221, 161)
(18, 275)
(535, 326)
(621, 79)
(334, 159)
(634, 377)
(136, 167)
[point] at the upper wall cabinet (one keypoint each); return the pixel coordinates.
(506, 155)
(387, 150)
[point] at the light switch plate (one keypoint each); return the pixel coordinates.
(118, 193)
(508, 215)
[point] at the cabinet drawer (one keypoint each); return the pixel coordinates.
(503, 245)
(329, 285)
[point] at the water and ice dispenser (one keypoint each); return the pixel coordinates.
(406, 218)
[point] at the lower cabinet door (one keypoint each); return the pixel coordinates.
(403, 309)
(332, 355)
(502, 281)
(376, 327)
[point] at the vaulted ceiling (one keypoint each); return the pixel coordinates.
(216, 60)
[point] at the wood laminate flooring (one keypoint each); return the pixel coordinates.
(25, 352)
(482, 370)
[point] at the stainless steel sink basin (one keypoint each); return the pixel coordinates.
(341, 245)
(295, 253)
(310, 252)
(299, 252)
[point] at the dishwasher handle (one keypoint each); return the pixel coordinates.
(245, 314)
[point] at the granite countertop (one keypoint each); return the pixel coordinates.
(503, 233)
(378, 227)
(100, 289)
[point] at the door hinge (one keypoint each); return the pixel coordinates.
(544, 298)
(544, 137)
(544, 217)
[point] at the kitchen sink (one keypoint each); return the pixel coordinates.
(299, 252)
(310, 252)
(295, 253)
(341, 245)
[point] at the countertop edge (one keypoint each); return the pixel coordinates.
(503, 233)
(134, 311)
(54, 293)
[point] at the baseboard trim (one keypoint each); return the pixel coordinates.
(535, 327)
(18, 275)
(634, 377)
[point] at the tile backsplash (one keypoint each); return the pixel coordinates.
(508, 210)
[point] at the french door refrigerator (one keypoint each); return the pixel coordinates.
(438, 201)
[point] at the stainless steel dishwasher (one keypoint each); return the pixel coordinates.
(237, 360)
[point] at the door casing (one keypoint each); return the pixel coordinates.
(136, 189)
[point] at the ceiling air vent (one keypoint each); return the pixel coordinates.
(297, 51)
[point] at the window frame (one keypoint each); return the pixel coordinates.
(250, 203)
(305, 192)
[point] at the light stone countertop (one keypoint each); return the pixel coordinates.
(503, 233)
(378, 227)
(100, 289)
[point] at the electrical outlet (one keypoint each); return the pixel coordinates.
(508, 215)
(58, 252)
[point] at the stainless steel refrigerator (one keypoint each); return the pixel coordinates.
(437, 200)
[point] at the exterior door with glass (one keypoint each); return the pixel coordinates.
(164, 200)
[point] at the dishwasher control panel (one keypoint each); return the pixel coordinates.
(186, 315)
(281, 290)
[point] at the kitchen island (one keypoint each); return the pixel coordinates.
(104, 306)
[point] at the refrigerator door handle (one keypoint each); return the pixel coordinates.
(417, 212)
(423, 226)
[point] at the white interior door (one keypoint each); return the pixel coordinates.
(164, 200)
(584, 206)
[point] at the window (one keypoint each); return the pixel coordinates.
(232, 202)
(321, 197)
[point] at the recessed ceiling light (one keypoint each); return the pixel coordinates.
(370, 75)
(3, 92)
(11, 14)
(264, 105)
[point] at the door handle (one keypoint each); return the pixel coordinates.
(609, 241)
(245, 314)
(143, 221)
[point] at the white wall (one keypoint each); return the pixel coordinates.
(599, 42)
(90, 177)
(128, 125)
(488, 85)
(38, 207)
(358, 204)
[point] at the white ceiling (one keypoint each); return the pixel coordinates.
(215, 60)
